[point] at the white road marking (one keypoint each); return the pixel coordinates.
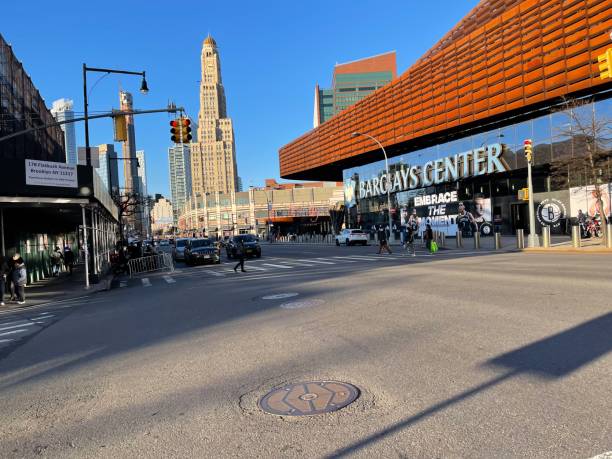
(215, 273)
(277, 266)
(319, 261)
(146, 282)
(13, 332)
(345, 259)
(6, 340)
(14, 322)
(297, 263)
(45, 316)
(256, 268)
(28, 324)
(123, 284)
(169, 280)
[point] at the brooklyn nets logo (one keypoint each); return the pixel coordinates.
(550, 212)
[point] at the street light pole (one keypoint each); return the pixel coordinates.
(388, 180)
(143, 88)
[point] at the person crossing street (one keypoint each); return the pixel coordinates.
(382, 240)
(240, 254)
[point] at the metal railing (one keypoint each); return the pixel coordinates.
(161, 262)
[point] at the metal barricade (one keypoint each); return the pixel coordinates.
(546, 237)
(520, 238)
(576, 243)
(160, 262)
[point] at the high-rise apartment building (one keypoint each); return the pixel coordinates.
(62, 111)
(109, 167)
(130, 167)
(179, 162)
(213, 155)
(161, 215)
(142, 185)
(352, 82)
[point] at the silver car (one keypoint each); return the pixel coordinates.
(179, 248)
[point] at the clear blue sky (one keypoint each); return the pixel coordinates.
(272, 55)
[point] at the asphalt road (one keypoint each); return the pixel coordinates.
(455, 355)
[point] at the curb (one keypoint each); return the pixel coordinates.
(102, 286)
(600, 251)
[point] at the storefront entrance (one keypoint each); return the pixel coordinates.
(520, 217)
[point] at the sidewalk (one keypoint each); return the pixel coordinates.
(55, 289)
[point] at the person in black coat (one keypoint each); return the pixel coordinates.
(69, 259)
(5, 271)
(19, 278)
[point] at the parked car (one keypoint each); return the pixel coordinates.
(179, 249)
(201, 250)
(251, 246)
(351, 237)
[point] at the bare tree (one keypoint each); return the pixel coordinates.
(585, 159)
(129, 204)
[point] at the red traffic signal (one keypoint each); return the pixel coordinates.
(180, 130)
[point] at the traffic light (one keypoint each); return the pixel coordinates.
(528, 150)
(180, 130)
(120, 125)
(605, 64)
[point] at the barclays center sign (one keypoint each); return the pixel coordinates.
(473, 163)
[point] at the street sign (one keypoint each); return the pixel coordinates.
(523, 194)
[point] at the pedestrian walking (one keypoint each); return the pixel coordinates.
(428, 237)
(56, 261)
(5, 271)
(412, 228)
(19, 278)
(382, 240)
(240, 255)
(69, 259)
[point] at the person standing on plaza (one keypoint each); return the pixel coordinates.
(5, 272)
(19, 278)
(240, 255)
(382, 240)
(412, 227)
(56, 261)
(69, 259)
(428, 236)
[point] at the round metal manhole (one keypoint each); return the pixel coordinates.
(279, 296)
(301, 304)
(309, 398)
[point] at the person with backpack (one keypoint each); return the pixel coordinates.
(19, 278)
(240, 254)
(56, 261)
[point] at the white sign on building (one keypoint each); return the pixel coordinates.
(48, 173)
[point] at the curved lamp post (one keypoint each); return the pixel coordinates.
(356, 134)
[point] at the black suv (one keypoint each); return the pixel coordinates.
(201, 251)
(251, 246)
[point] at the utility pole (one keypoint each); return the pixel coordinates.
(533, 240)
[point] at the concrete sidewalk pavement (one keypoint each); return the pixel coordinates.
(64, 287)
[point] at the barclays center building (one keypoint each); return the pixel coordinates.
(453, 126)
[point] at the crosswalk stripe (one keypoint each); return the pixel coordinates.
(123, 284)
(29, 324)
(12, 332)
(277, 266)
(214, 273)
(14, 322)
(169, 280)
(256, 268)
(319, 262)
(346, 259)
(6, 340)
(146, 282)
(297, 263)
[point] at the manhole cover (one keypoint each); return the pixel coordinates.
(301, 304)
(279, 296)
(309, 398)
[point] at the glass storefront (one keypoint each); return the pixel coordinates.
(480, 175)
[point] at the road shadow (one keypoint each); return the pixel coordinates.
(550, 358)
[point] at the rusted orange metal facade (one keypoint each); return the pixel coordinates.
(504, 56)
